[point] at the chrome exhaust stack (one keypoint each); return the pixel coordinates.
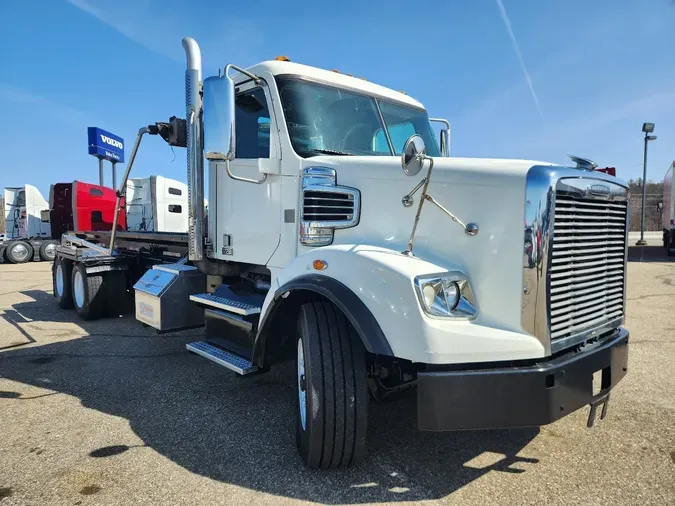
(195, 159)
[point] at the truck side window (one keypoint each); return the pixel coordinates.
(95, 192)
(175, 208)
(253, 124)
(175, 191)
(404, 122)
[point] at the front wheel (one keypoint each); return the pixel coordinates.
(332, 392)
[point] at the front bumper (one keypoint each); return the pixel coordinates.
(520, 396)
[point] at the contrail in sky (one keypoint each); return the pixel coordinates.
(528, 79)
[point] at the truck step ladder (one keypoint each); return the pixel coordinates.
(231, 305)
(234, 362)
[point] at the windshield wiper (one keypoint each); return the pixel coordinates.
(330, 152)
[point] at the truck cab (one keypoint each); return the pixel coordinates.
(156, 204)
(22, 213)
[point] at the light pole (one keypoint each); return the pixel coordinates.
(647, 128)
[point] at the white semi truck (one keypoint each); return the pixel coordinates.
(342, 236)
(27, 229)
(156, 204)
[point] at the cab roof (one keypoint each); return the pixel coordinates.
(278, 68)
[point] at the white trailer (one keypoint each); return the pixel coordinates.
(668, 210)
(342, 236)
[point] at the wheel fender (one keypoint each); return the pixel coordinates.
(373, 286)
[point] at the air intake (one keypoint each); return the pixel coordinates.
(326, 206)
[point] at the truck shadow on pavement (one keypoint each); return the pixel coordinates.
(241, 430)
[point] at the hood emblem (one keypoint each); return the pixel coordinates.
(598, 189)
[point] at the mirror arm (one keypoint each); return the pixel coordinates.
(255, 78)
(452, 216)
(407, 200)
(408, 251)
(244, 179)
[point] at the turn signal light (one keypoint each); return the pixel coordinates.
(319, 265)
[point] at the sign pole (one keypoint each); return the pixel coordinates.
(114, 175)
(100, 171)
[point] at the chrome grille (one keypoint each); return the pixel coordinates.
(587, 263)
(327, 206)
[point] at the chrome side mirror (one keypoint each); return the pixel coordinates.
(413, 156)
(445, 141)
(445, 135)
(219, 118)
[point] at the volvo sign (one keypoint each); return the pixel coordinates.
(105, 146)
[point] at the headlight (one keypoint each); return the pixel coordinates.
(446, 295)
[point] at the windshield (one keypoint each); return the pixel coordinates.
(323, 119)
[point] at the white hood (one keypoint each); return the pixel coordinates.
(488, 192)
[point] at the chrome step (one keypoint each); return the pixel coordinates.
(233, 306)
(222, 357)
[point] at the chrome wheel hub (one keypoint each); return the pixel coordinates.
(59, 280)
(50, 250)
(20, 252)
(78, 289)
(302, 385)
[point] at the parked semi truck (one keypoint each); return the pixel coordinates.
(153, 203)
(35, 226)
(27, 234)
(668, 210)
(343, 237)
(156, 204)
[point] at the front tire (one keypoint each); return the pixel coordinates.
(88, 293)
(19, 252)
(332, 392)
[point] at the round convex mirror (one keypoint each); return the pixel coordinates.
(414, 152)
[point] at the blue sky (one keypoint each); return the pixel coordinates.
(516, 78)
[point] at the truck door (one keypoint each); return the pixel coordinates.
(248, 216)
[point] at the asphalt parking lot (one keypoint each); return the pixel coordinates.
(107, 412)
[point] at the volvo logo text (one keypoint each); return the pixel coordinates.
(112, 142)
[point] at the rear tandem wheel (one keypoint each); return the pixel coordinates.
(89, 293)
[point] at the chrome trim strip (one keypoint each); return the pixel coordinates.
(540, 192)
(539, 206)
